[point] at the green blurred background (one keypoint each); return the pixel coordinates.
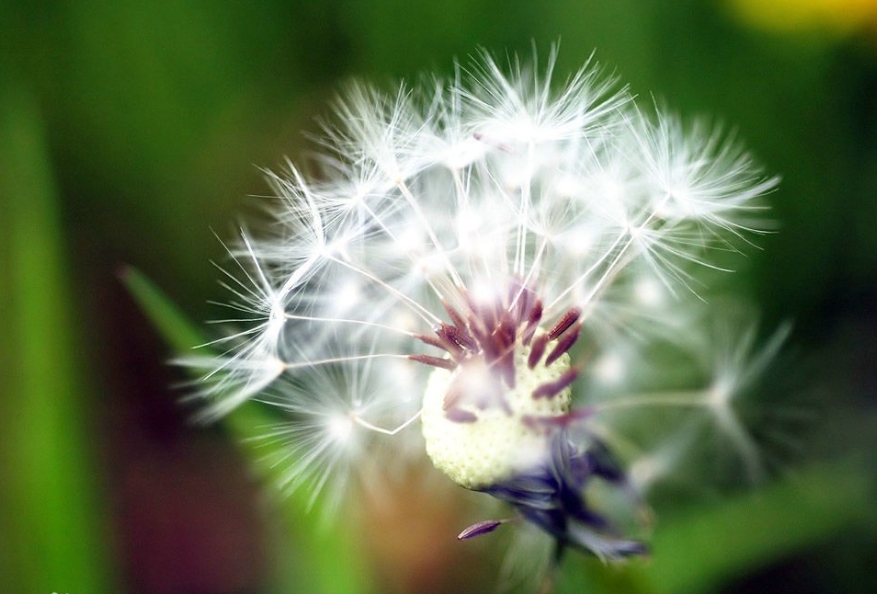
(133, 133)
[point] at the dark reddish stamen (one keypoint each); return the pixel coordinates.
(506, 367)
(565, 321)
(488, 333)
(430, 340)
(480, 528)
(481, 320)
(563, 345)
(503, 343)
(504, 335)
(548, 422)
(461, 337)
(455, 316)
(552, 389)
(448, 364)
(534, 316)
(480, 336)
(537, 350)
(519, 298)
(437, 341)
(461, 416)
(449, 336)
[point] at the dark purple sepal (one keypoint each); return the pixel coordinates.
(552, 496)
(605, 547)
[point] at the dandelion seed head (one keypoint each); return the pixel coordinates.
(496, 255)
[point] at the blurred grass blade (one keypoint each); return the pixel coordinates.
(52, 536)
(704, 548)
(177, 331)
(319, 561)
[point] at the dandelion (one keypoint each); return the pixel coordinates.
(496, 260)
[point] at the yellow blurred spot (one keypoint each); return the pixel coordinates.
(837, 16)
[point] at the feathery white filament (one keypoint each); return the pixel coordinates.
(487, 180)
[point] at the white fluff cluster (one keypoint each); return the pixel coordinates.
(427, 204)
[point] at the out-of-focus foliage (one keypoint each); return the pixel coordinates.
(316, 571)
(52, 531)
(131, 132)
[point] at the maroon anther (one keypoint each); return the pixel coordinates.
(480, 528)
(458, 415)
(537, 350)
(506, 366)
(450, 339)
(504, 335)
(462, 337)
(533, 319)
(489, 332)
(552, 389)
(519, 300)
(565, 321)
(563, 345)
(535, 315)
(455, 316)
(448, 364)
(480, 320)
(559, 421)
(436, 341)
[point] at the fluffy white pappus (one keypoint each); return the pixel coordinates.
(500, 215)
(704, 384)
(324, 441)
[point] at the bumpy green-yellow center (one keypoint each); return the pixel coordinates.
(498, 439)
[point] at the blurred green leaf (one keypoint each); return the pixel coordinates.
(707, 546)
(52, 536)
(180, 334)
(319, 560)
(704, 547)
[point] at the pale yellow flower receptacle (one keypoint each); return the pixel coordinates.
(502, 441)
